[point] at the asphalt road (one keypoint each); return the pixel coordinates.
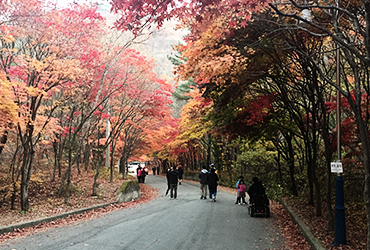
(183, 223)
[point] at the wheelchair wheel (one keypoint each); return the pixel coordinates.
(267, 212)
(251, 211)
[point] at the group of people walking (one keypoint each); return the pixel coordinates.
(141, 172)
(208, 179)
(174, 177)
(208, 183)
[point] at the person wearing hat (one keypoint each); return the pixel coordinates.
(212, 166)
(241, 188)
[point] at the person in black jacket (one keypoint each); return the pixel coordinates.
(212, 179)
(173, 177)
(203, 183)
(257, 190)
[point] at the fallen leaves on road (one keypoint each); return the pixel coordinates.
(147, 193)
(355, 225)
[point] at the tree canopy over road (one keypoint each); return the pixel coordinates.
(260, 83)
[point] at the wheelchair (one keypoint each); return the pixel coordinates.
(259, 205)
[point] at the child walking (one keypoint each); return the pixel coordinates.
(241, 188)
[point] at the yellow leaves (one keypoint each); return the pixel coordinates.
(8, 38)
(33, 92)
(10, 188)
(8, 109)
(192, 125)
(209, 56)
(328, 41)
(37, 178)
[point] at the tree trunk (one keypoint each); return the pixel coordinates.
(309, 177)
(26, 176)
(55, 149)
(69, 171)
(87, 156)
(111, 165)
(291, 165)
(209, 150)
(61, 186)
(364, 136)
(99, 163)
(3, 140)
(78, 160)
(68, 185)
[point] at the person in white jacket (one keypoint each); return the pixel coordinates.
(203, 183)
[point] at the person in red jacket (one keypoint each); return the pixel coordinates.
(139, 171)
(241, 188)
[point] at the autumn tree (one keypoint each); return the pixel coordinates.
(344, 23)
(39, 65)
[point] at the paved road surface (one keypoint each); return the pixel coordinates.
(164, 223)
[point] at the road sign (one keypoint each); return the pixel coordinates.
(336, 167)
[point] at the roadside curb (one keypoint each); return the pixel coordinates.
(11, 228)
(306, 232)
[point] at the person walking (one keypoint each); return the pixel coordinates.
(139, 171)
(157, 170)
(212, 166)
(168, 181)
(181, 172)
(203, 183)
(153, 169)
(212, 179)
(144, 172)
(173, 177)
(241, 188)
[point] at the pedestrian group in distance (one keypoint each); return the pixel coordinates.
(208, 184)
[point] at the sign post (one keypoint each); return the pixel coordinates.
(340, 221)
(336, 167)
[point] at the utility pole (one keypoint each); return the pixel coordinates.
(340, 220)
